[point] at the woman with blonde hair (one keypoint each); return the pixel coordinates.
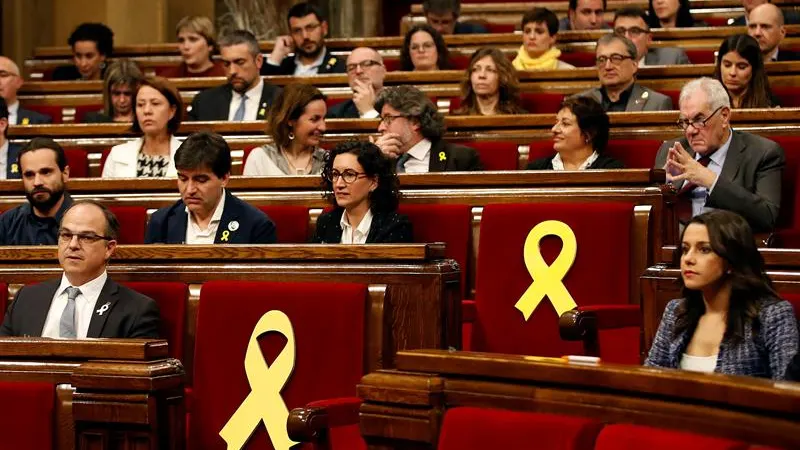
(121, 81)
(196, 41)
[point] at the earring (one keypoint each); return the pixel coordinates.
(291, 136)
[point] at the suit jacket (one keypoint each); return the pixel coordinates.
(788, 55)
(344, 110)
(641, 99)
(666, 56)
(602, 162)
(12, 163)
(446, 157)
(130, 314)
(97, 117)
(28, 117)
(241, 223)
(469, 28)
(750, 181)
(330, 64)
(740, 21)
(386, 228)
(122, 160)
(213, 104)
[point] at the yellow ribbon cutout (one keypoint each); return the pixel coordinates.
(442, 156)
(264, 403)
(547, 280)
(14, 168)
(225, 235)
(26, 121)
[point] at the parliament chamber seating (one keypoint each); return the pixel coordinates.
(28, 422)
(133, 223)
(292, 222)
(78, 162)
(496, 155)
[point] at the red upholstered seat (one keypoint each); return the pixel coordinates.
(328, 320)
(497, 155)
(291, 222)
(794, 299)
(493, 27)
(599, 276)
(459, 62)
(4, 296)
(636, 437)
(788, 229)
(468, 428)
(54, 111)
(171, 298)
(540, 149)
(541, 102)
(579, 59)
(701, 56)
(78, 162)
(82, 110)
(674, 95)
(789, 96)
(634, 153)
(132, 221)
(391, 64)
(27, 422)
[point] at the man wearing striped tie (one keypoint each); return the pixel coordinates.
(84, 302)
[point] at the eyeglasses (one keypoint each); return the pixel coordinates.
(633, 31)
(422, 48)
(349, 176)
(697, 123)
(308, 28)
(366, 64)
(65, 236)
(388, 118)
(616, 59)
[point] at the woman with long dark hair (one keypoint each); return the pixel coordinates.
(730, 319)
(490, 85)
(423, 50)
(740, 68)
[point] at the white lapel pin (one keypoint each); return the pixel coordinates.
(233, 225)
(103, 309)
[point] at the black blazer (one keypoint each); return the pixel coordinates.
(446, 157)
(241, 223)
(386, 228)
(12, 163)
(213, 104)
(129, 315)
(343, 110)
(28, 117)
(602, 162)
(793, 371)
(97, 117)
(330, 64)
(788, 55)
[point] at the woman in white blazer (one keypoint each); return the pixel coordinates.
(158, 110)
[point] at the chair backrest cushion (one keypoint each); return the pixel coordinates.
(635, 437)
(172, 298)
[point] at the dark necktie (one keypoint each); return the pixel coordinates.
(401, 162)
(683, 207)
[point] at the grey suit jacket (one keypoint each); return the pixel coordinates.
(750, 181)
(666, 56)
(129, 315)
(641, 99)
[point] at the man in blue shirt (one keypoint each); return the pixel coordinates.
(44, 175)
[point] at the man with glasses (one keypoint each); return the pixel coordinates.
(616, 67)
(207, 213)
(365, 74)
(715, 167)
(84, 302)
(631, 22)
(412, 133)
(307, 31)
(44, 169)
(10, 83)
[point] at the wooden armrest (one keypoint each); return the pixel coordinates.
(312, 422)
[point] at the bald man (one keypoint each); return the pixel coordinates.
(365, 74)
(10, 82)
(791, 16)
(765, 24)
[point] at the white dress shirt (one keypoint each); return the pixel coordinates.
(420, 157)
(700, 194)
(302, 70)
(13, 113)
(197, 235)
(705, 364)
(85, 306)
(356, 235)
(253, 102)
(558, 164)
(3, 160)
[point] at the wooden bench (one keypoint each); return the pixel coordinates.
(408, 408)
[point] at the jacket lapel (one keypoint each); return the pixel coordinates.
(264, 102)
(40, 305)
(438, 157)
(12, 162)
(730, 168)
(108, 296)
(638, 99)
(176, 225)
(225, 105)
(377, 225)
(229, 222)
(328, 62)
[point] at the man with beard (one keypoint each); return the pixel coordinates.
(44, 173)
(307, 29)
(245, 96)
(365, 74)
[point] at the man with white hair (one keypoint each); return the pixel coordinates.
(10, 82)
(716, 167)
(766, 26)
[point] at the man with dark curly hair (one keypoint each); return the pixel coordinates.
(412, 132)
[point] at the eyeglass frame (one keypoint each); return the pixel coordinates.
(388, 118)
(680, 122)
(639, 31)
(310, 28)
(363, 64)
(83, 238)
(334, 175)
(615, 56)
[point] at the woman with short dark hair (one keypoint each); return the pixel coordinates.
(740, 68)
(362, 186)
(729, 318)
(423, 50)
(91, 45)
(580, 137)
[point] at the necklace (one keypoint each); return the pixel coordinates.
(305, 170)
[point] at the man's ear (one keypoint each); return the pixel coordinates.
(225, 179)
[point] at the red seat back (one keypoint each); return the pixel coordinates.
(82, 110)
(601, 229)
(542, 102)
(4, 296)
(674, 95)
(459, 62)
(789, 216)
(635, 437)
(579, 59)
(789, 96)
(78, 162)
(540, 149)
(291, 222)
(634, 153)
(133, 222)
(794, 299)
(30, 423)
(451, 224)
(172, 298)
(701, 57)
(54, 111)
(497, 155)
(467, 428)
(328, 320)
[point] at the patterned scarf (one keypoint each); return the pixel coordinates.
(548, 60)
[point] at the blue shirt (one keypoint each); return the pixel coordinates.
(21, 226)
(700, 194)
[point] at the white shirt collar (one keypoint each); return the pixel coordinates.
(90, 289)
(558, 164)
(718, 157)
(314, 65)
(216, 217)
(642, 62)
(255, 91)
(359, 235)
(420, 149)
(774, 56)
(13, 113)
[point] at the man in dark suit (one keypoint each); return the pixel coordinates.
(84, 302)
(713, 166)
(631, 22)
(442, 15)
(412, 132)
(307, 28)
(207, 213)
(10, 83)
(365, 74)
(9, 153)
(766, 26)
(246, 96)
